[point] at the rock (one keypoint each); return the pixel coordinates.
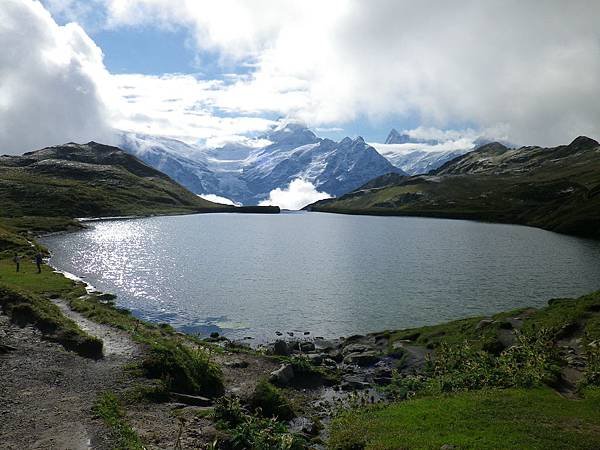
(367, 358)
(307, 346)
(279, 333)
(354, 348)
(316, 359)
(282, 376)
(291, 334)
(382, 381)
(353, 383)
(236, 364)
(106, 297)
(214, 335)
(281, 348)
(194, 400)
(306, 333)
(328, 362)
(483, 323)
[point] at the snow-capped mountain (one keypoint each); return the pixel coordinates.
(248, 172)
(417, 155)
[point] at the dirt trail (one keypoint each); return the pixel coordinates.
(47, 393)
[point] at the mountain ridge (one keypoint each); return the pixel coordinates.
(555, 188)
(79, 180)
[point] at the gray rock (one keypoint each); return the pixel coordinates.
(354, 383)
(354, 348)
(281, 348)
(367, 358)
(282, 376)
(307, 346)
(236, 364)
(316, 359)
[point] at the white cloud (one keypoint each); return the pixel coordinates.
(51, 81)
(218, 199)
(297, 195)
(530, 66)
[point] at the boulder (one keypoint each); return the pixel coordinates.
(354, 383)
(354, 348)
(281, 348)
(282, 376)
(316, 359)
(307, 347)
(367, 358)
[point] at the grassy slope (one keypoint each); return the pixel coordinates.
(488, 418)
(515, 418)
(561, 194)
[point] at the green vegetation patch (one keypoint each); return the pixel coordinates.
(269, 401)
(109, 409)
(512, 418)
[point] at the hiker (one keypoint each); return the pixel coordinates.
(17, 261)
(39, 259)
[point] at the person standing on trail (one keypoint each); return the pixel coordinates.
(39, 259)
(17, 261)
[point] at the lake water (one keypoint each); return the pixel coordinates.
(333, 275)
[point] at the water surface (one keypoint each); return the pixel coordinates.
(332, 275)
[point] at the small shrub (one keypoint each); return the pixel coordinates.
(229, 411)
(264, 434)
(183, 369)
(270, 401)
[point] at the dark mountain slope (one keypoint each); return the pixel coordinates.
(553, 188)
(78, 180)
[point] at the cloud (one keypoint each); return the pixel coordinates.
(51, 81)
(527, 65)
(529, 68)
(297, 195)
(218, 199)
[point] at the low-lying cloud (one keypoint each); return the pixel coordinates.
(218, 199)
(297, 195)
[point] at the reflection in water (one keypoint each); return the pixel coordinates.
(328, 274)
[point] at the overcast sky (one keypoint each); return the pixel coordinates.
(206, 71)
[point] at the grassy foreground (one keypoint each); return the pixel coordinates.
(498, 419)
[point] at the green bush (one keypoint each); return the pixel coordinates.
(270, 401)
(183, 369)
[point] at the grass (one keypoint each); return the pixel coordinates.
(109, 409)
(514, 418)
(269, 401)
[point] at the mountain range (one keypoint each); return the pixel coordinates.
(246, 173)
(554, 188)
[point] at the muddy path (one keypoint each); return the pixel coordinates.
(47, 393)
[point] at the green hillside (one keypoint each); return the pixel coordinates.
(556, 189)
